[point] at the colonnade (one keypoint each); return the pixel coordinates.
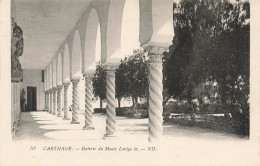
(106, 33)
(155, 98)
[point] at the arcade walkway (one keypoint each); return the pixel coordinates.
(46, 126)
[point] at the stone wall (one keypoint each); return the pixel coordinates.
(16, 74)
(15, 106)
(34, 78)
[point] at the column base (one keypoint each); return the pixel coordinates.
(88, 128)
(155, 140)
(109, 136)
(54, 113)
(59, 115)
(65, 118)
(74, 122)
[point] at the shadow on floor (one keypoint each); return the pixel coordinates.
(28, 128)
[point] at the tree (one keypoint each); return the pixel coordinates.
(122, 87)
(99, 83)
(232, 57)
(132, 77)
(181, 68)
(211, 44)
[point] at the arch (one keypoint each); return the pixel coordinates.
(54, 72)
(156, 22)
(162, 22)
(113, 37)
(92, 41)
(76, 56)
(130, 27)
(66, 64)
(59, 70)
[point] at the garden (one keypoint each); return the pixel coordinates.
(205, 71)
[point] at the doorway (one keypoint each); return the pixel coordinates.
(31, 98)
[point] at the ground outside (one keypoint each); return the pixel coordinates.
(180, 144)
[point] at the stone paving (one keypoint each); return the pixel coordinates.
(180, 145)
(40, 125)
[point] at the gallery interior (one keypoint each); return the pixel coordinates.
(57, 44)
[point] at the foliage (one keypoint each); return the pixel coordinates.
(207, 62)
(132, 76)
(99, 83)
(210, 47)
(121, 82)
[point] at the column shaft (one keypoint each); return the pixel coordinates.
(51, 93)
(155, 96)
(111, 101)
(65, 107)
(59, 101)
(88, 102)
(54, 101)
(75, 102)
(47, 100)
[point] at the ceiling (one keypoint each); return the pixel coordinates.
(45, 25)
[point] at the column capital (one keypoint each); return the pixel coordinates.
(75, 80)
(111, 67)
(155, 50)
(66, 84)
(88, 76)
(155, 53)
(59, 87)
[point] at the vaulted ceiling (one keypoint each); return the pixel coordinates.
(45, 25)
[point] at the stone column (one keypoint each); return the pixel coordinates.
(65, 107)
(88, 102)
(111, 101)
(54, 111)
(75, 102)
(47, 100)
(59, 88)
(155, 94)
(50, 106)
